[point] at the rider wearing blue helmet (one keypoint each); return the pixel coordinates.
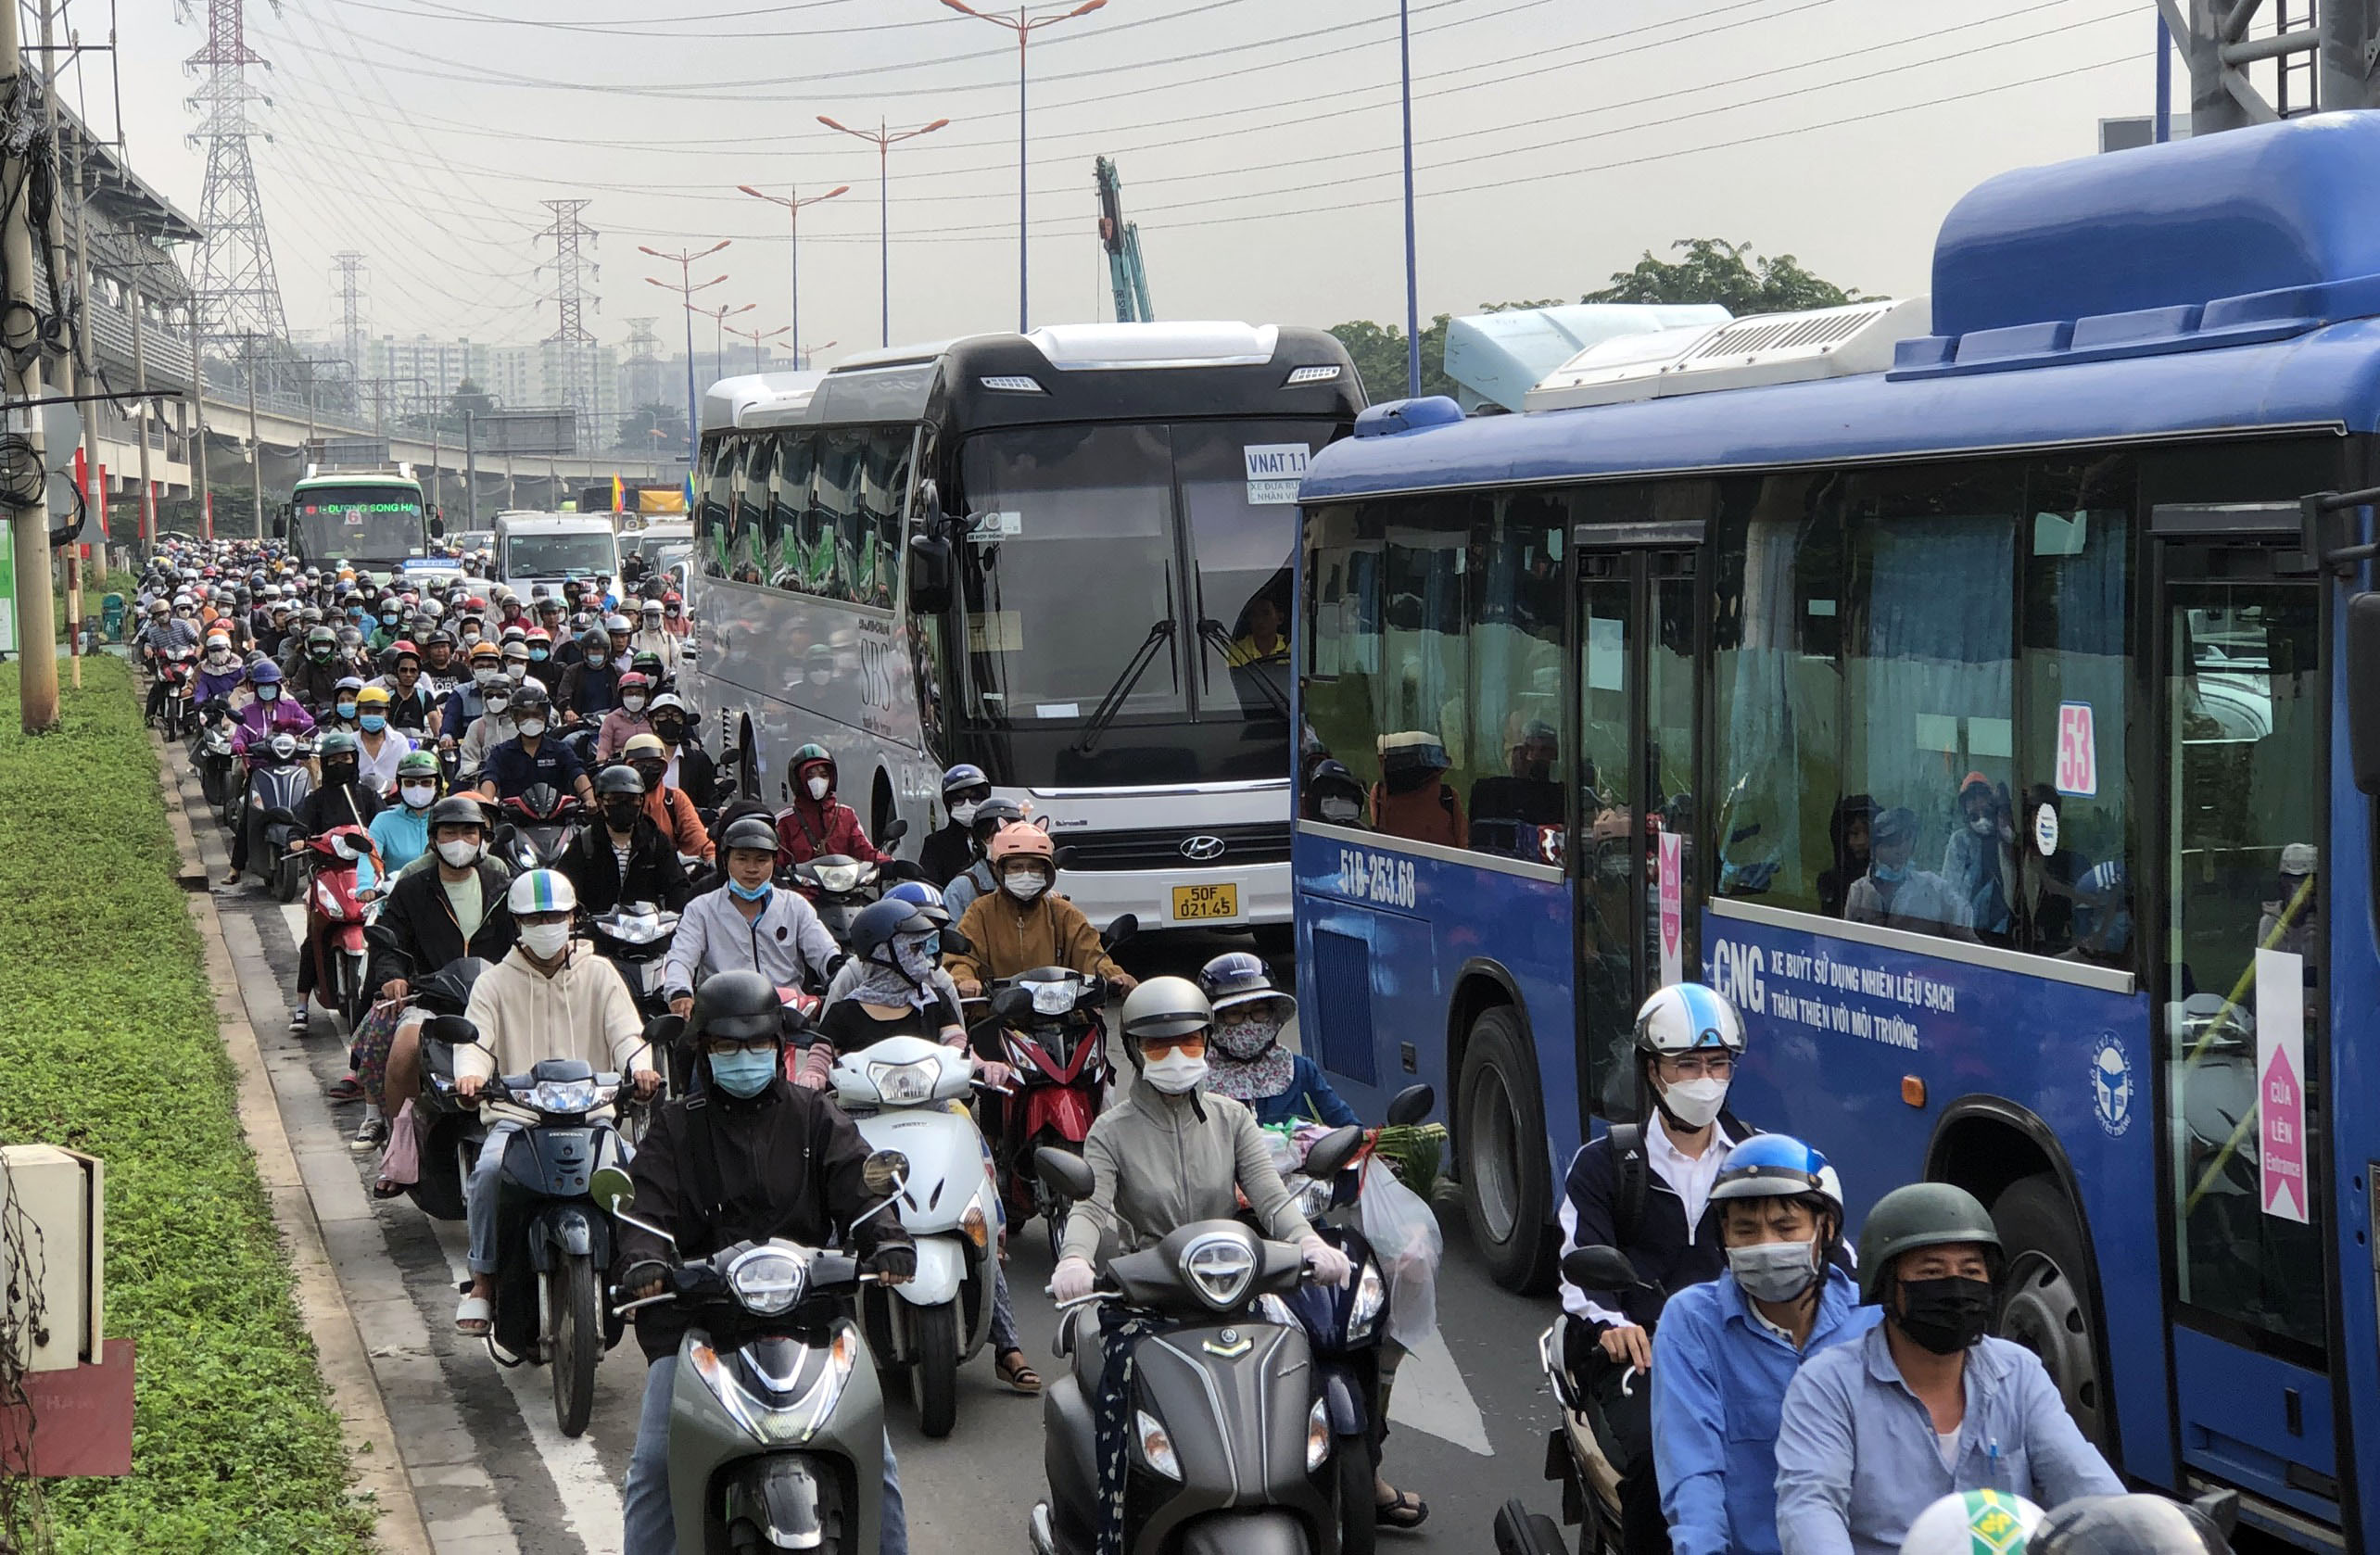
(1247, 1062)
(951, 848)
(1727, 1349)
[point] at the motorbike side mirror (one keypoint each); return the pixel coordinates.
(664, 1032)
(792, 1022)
(2219, 1508)
(1014, 1005)
(452, 1030)
(983, 1040)
(892, 833)
(611, 1188)
(1063, 858)
(1123, 927)
(1411, 1105)
(1064, 1173)
(884, 1173)
(955, 943)
(1330, 1154)
(437, 527)
(1599, 1268)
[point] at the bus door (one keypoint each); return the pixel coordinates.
(1630, 857)
(2239, 1007)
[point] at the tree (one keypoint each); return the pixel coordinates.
(1727, 273)
(653, 429)
(1380, 358)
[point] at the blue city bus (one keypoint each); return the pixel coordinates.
(1978, 721)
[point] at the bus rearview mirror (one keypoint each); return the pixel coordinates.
(928, 575)
(2363, 688)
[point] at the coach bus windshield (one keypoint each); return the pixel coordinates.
(361, 525)
(1074, 590)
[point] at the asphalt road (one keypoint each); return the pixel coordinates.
(496, 1476)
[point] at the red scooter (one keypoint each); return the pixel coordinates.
(335, 916)
(1048, 1026)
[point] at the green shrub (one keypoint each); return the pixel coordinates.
(108, 1044)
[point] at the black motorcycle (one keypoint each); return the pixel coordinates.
(635, 937)
(1231, 1448)
(538, 825)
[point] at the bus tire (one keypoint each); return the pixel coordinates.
(1507, 1181)
(2048, 1296)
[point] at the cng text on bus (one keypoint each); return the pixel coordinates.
(1822, 990)
(1380, 877)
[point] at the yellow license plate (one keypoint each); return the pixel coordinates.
(1194, 903)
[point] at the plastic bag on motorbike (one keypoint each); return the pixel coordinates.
(1405, 1238)
(368, 1053)
(401, 1162)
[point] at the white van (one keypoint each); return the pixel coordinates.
(534, 548)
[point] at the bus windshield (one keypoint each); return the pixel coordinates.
(375, 524)
(1073, 583)
(578, 555)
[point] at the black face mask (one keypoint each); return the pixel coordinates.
(339, 775)
(670, 730)
(621, 816)
(1945, 1316)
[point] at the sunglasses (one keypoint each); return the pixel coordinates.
(728, 1047)
(1191, 1045)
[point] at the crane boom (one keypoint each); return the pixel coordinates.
(1122, 240)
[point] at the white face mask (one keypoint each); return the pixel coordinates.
(497, 706)
(1024, 885)
(1695, 1101)
(964, 814)
(1175, 1074)
(517, 670)
(545, 940)
(483, 673)
(1775, 1271)
(458, 853)
(533, 727)
(1981, 826)
(634, 704)
(418, 796)
(817, 786)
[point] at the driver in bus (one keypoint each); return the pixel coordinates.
(1263, 642)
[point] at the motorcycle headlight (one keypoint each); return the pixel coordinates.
(767, 1282)
(1055, 998)
(905, 1084)
(634, 931)
(1156, 1447)
(1313, 1197)
(1371, 1300)
(837, 878)
(566, 1095)
(798, 1419)
(1219, 1266)
(1318, 1435)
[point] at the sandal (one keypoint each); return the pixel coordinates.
(473, 1315)
(345, 1089)
(1017, 1372)
(1404, 1510)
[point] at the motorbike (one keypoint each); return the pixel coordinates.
(1049, 1026)
(635, 937)
(776, 1423)
(450, 1132)
(898, 1092)
(278, 781)
(1231, 1448)
(334, 919)
(213, 757)
(554, 1242)
(842, 887)
(1345, 1325)
(1573, 1454)
(179, 670)
(538, 827)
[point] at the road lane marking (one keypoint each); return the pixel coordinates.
(590, 1500)
(1431, 1396)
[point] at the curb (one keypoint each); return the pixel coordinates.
(379, 1463)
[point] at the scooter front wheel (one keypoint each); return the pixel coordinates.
(1359, 1516)
(578, 1340)
(933, 1372)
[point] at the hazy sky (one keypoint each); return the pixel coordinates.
(1555, 140)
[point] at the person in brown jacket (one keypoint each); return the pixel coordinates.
(1021, 926)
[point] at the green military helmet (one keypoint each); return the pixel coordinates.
(1921, 1215)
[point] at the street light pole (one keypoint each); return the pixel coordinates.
(1412, 290)
(756, 337)
(1023, 25)
(884, 141)
(686, 289)
(804, 354)
(792, 202)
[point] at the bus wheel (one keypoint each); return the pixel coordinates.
(2047, 1307)
(1507, 1181)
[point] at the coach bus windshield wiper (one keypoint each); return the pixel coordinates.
(1113, 702)
(1218, 637)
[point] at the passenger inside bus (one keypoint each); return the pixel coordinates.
(1897, 896)
(1979, 859)
(1412, 799)
(1848, 829)
(1509, 809)
(2051, 881)
(2290, 922)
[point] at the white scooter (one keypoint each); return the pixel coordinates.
(903, 1092)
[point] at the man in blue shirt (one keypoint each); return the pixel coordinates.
(1925, 1405)
(529, 758)
(1727, 1350)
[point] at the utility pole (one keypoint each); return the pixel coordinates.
(149, 413)
(471, 467)
(255, 444)
(199, 416)
(72, 376)
(350, 265)
(20, 331)
(571, 297)
(235, 271)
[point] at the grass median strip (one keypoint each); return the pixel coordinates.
(108, 1044)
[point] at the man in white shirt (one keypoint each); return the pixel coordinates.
(748, 923)
(548, 999)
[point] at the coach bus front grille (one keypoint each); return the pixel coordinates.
(1248, 842)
